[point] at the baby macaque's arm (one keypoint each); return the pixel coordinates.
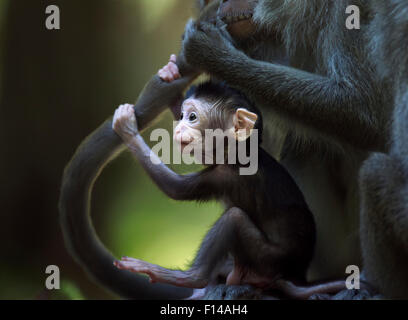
(159, 94)
(169, 73)
(179, 187)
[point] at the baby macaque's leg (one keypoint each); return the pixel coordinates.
(170, 71)
(188, 279)
(304, 292)
(219, 275)
(236, 234)
(240, 275)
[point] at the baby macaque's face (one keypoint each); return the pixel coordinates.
(198, 116)
(193, 121)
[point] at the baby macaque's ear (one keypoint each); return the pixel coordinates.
(244, 122)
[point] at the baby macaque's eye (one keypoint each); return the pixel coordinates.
(182, 116)
(192, 117)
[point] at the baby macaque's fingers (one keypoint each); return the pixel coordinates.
(161, 73)
(165, 75)
(173, 58)
(170, 71)
(130, 113)
(134, 262)
(169, 77)
(174, 70)
(123, 265)
(129, 108)
(129, 259)
(116, 116)
(122, 112)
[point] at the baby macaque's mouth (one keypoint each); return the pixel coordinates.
(234, 18)
(184, 144)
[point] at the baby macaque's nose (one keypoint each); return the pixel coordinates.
(178, 133)
(180, 129)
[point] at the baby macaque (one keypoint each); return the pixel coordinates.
(266, 236)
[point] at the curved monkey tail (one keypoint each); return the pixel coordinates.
(91, 157)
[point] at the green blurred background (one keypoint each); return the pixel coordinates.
(56, 87)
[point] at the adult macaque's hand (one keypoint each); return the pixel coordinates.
(204, 45)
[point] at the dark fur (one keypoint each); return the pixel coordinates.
(276, 207)
(269, 230)
(384, 176)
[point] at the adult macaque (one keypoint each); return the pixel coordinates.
(384, 176)
(323, 112)
(269, 232)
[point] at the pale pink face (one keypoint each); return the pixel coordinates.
(195, 120)
(188, 131)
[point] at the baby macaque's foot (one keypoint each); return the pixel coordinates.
(138, 266)
(198, 294)
(305, 292)
(170, 71)
(188, 279)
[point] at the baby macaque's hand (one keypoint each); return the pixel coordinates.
(124, 122)
(170, 71)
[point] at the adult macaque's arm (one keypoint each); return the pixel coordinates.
(321, 102)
